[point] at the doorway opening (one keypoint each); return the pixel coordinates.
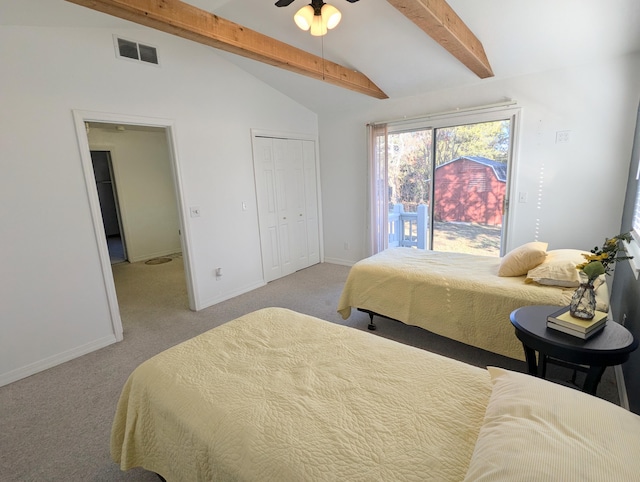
(109, 205)
(143, 197)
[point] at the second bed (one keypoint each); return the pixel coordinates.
(455, 295)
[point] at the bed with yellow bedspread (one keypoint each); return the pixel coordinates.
(455, 295)
(276, 395)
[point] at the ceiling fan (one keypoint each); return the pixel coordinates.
(286, 3)
(317, 16)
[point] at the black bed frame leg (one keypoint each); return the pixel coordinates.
(372, 325)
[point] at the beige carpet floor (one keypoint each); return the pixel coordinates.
(55, 425)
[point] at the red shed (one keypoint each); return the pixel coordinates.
(470, 189)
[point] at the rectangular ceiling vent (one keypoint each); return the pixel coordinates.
(128, 49)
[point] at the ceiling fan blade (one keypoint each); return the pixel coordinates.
(352, 1)
(284, 3)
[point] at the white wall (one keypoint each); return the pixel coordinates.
(575, 190)
(143, 176)
(53, 303)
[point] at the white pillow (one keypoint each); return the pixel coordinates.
(558, 269)
(520, 260)
(537, 430)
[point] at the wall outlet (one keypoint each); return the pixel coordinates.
(346, 246)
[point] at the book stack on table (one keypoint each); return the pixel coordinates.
(562, 320)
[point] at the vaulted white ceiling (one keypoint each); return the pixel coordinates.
(519, 37)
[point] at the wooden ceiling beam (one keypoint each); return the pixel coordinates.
(189, 22)
(439, 21)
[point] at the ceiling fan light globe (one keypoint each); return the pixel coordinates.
(330, 16)
(318, 27)
(304, 17)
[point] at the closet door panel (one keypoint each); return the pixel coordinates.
(311, 202)
(299, 204)
(285, 206)
(265, 173)
(287, 196)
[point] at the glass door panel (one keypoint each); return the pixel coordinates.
(409, 175)
(470, 187)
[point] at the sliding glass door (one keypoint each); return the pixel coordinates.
(447, 184)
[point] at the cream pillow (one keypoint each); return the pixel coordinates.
(558, 269)
(537, 430)
(520, 260)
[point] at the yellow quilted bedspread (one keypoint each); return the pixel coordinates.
(459, 296)
(281, 396)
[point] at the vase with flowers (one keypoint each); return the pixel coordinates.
(599, 262)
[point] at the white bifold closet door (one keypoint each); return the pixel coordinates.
(286, 190)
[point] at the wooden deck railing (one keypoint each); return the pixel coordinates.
(408, 229)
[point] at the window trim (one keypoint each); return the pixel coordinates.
(633, 247)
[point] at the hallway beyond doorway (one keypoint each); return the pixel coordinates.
(116, 250)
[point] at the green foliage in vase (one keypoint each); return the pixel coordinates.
(601, 259)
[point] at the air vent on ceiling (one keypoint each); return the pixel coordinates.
(128, 49)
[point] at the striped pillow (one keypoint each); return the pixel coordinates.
(538, 430)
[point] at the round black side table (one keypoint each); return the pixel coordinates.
(611, 346)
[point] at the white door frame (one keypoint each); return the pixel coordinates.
(80, 119)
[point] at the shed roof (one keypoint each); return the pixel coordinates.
(499, 168)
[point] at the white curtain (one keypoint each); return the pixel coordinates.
(378, 188)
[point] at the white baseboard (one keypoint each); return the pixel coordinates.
(148, 256)
(342, 262)
(227, 296)
(57, 359)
